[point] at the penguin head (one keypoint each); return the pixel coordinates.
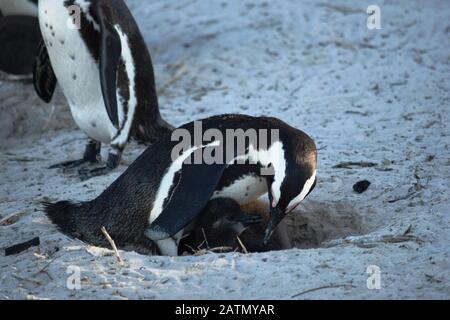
(296, 183)
(223, 221)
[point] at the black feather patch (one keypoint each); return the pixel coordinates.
(61, 214)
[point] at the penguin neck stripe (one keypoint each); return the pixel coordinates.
(276, 159)
(305, 190)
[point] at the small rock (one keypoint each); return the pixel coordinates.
(361, 186)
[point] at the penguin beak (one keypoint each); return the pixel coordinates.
(276, 215)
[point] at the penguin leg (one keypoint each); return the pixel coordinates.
(114, 157)
(91, 155)
(169, 247)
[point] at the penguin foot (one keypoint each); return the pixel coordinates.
(71, 164)
(86, 174)
(113, 162)
(91, 157)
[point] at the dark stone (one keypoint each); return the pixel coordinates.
(21, 247)
(361, 186)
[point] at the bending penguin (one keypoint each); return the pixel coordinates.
(161, 193)
(218, 226)
(95, 51)
(19, 37)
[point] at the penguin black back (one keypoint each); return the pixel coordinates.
(123, 208)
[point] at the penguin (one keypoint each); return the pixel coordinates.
(19, 37)
(94, 50)
(162, 193)
(219, 225)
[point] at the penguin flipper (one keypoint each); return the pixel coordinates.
(110, 55)
(44, 78)
(195, 188)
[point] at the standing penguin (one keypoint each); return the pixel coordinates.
(19, 36)
(95, 51)
(218, 226)
(161, 194)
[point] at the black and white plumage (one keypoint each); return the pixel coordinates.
(95, 51)
(19, 36)
(160, 196)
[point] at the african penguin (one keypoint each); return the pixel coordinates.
(19, 37)
(161, 194)
(95, 51)
(219, 225)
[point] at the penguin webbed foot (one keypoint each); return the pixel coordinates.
(71, 164)
(113, 162)
(91, 156)
(86, 173)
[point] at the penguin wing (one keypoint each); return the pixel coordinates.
(110, 54)
(44, 78)
(195, 188)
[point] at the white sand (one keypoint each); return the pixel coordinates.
(380, 96)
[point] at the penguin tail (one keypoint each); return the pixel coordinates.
(64, 215)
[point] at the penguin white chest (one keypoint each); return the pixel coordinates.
(244, 190)
(76, 70)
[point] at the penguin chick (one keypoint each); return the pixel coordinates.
(253, 237)
(218, 226)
